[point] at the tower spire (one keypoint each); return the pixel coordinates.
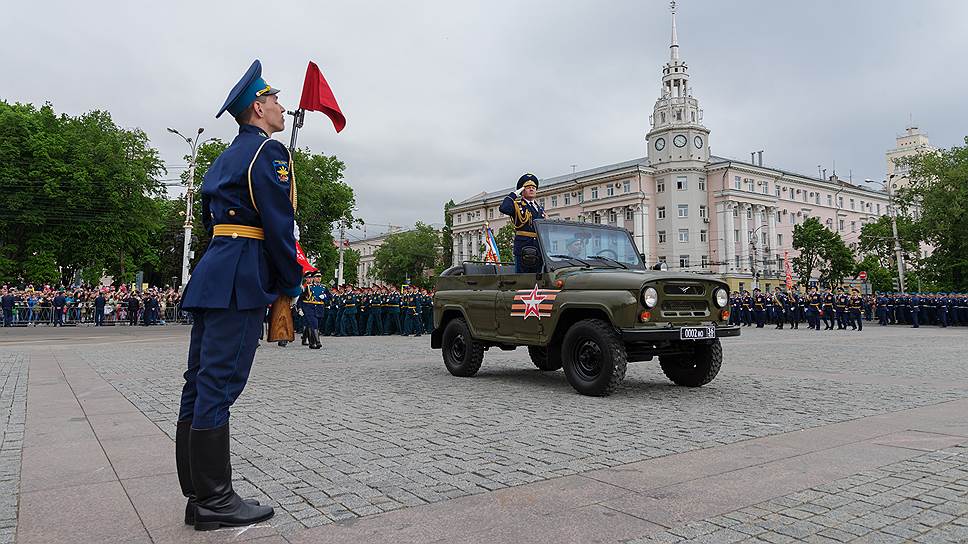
(674, 47)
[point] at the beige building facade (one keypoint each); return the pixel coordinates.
(692, 210)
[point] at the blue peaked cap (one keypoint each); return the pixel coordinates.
(250, 87)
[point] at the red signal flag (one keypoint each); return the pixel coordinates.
(317, 96)
(303, 261)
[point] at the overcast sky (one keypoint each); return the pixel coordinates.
(445, 99)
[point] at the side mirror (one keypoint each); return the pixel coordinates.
(529, 257)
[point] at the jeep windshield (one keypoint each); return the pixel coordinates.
(578, 244)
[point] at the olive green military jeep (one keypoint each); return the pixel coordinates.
(594, 307)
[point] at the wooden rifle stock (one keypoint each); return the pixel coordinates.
(281, 327)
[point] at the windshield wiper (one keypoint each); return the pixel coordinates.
(608, 259)
(570, 258)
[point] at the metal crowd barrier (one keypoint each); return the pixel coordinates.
(82, 314)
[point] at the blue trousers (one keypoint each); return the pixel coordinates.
(220, 354)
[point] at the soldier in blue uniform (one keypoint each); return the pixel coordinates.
(854, 318)
(99, 303)
(350, 307)
(523, 210)
(759, 308)
(392, 323)
(248, 204)
(307, 306)
(60, 302)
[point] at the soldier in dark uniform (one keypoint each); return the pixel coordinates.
(307, 309)
(854, 317)
(827, 309)
(759, 307)
(814, 303)
(99, 303)
(7, 301)
(523, 210)
(734, 306)
(746, 309)
(350, 307)
(248, 204)
(780, 303)
(392, 323)
(427, 306)
(914, 305)
(840, 307)
(60, 302)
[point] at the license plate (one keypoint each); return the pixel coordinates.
(697, 333)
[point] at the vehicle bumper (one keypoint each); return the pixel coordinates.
(658, 335)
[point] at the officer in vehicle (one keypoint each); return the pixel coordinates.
(523, 210)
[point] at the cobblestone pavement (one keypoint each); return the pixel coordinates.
(923, 499)
(369, 425)
(13, 405)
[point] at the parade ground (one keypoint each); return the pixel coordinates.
(804, 436)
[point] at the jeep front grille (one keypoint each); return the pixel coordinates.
(691, 289)
(685, 308)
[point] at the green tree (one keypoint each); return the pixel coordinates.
(878, 276)
(505, 242)
(447, 237)
(877, 239)
(821, 250)
(939, 193)
(76, 192)
(351, 263)
(408, 255)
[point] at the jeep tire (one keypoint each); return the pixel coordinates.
(694, 370)
(545, 358)
(593, 357)
(462, 354)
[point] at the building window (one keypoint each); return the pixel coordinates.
(683, 261)
(554, 201)
(581, 196)
(737, 266)
(626, 186)
(660, 185)
(610, 190)
(705, 261)
(703, 236)
(778, 191)
(749, 185)
(490, 213)
(749, 213)
(662, 116)
(612, 217)
(597, 218)
(660, 212)
(840, 202)
(853, 226)
(766, 187)
(702, 184)
(683, 235)
(703, 214)
(793, 219)
(567, 199)
(804, 195)
(541, 202)
(878, 208)
(459, 217)
(840, 225)
(662, 236)
(683, 210)
(629, 214)
(817, 199)
(736, 234)
(779, 240)
(682, 183)
(778, 219)
(737, 183)
(594, 193)
(852, 203)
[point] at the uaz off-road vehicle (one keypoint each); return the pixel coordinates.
(594, 308)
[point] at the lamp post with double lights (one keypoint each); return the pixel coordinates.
(898, 254)
(189, 198)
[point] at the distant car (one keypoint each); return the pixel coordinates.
(594, 308)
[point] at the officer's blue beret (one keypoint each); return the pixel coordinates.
(250, 87)
(528, 179)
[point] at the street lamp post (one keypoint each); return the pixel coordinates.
(898, 254)
(756, 280)
(189, 199)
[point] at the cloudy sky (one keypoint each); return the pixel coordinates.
(448, 98)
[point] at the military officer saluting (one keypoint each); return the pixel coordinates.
(523, 210)
(248, 205)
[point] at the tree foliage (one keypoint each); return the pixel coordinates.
(408, 255)
(877, 239)
(505, 242)
(76, 192)
(821, 250)
(938, 192)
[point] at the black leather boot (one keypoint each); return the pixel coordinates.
(306, 337)
(314, 342)
(217, 504)
(184, 465)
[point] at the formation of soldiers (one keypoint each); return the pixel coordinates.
(843, 308)
(361, 311)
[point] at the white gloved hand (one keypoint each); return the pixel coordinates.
(295, 230)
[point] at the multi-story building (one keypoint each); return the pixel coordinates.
(912, 142)
(687, 208)
(366, 247)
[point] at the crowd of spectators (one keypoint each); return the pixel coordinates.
(32, 305)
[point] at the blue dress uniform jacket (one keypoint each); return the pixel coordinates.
(522, 214)
(250, 184)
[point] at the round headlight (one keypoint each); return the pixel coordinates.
(649, 297)
(722, 297)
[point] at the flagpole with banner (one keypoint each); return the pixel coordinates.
(316, 96)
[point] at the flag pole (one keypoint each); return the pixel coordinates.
(298, 116)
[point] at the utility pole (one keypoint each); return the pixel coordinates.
(189, 200)
(339, 271)
(898, 255)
